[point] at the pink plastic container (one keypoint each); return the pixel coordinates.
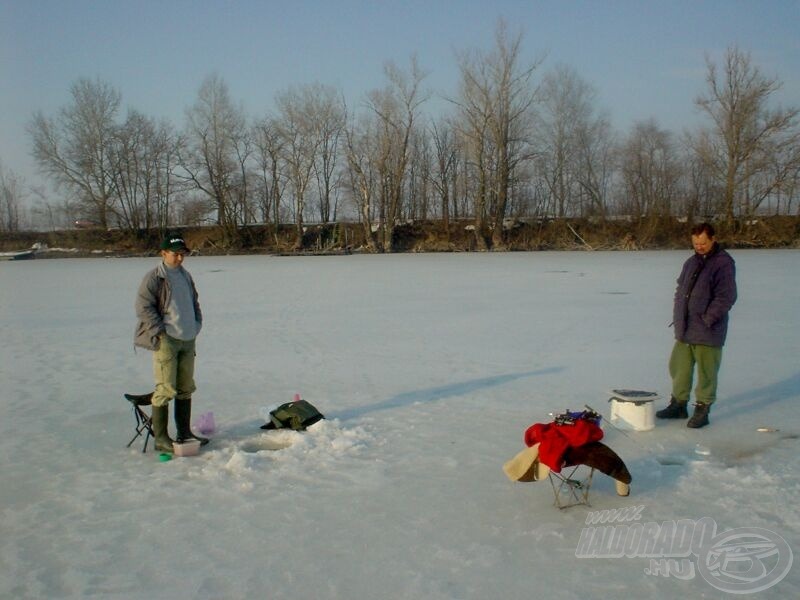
(187, 448)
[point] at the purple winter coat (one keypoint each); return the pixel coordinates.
(706, 292)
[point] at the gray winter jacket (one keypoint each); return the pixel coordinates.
(151, 300)
(706, 292)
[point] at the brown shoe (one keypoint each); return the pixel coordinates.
(699, 417)
(675, 410)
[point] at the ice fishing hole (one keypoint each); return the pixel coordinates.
(265, 443)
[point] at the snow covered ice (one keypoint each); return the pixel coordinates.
(429, 369)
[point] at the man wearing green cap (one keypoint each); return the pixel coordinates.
(169, 321)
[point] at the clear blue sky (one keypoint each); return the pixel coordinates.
(645, 59)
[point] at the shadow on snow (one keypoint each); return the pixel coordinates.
(440, 393)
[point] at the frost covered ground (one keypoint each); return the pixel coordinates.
(429, 369)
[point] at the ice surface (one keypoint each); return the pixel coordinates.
(429, 369)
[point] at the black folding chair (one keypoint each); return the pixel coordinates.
(570, 488)
(144, 421)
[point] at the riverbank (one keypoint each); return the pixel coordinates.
(412, 236)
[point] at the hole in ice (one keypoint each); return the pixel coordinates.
(264, 443)
(671, 461)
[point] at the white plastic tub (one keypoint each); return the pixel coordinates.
(633, 410)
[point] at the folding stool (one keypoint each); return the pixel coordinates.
(569, 488)
(144, 421)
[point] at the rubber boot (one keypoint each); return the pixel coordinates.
(699, 417)
(161, 440)
(675, 410)
(183, 417)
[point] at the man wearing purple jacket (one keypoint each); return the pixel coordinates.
(705, 294)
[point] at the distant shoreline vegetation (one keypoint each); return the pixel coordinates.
(520, 234)
(526, 155)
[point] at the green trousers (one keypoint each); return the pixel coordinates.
(682, 362)
(173, 369)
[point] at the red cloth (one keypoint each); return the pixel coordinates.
(554, 440)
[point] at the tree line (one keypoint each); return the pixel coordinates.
(515, 142)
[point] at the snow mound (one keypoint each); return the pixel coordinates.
(324, 447)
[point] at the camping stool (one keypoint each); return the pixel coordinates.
(144, 421)
(569, 489)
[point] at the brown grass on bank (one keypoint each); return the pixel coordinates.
(420, 236)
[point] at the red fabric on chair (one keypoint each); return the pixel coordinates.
(555, 439)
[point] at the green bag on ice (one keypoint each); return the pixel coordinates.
(297, 415)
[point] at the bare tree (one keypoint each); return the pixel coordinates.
(445, 168)
(243, 207)
(745, 133)
(596, 147)
(12, 196)
(565, 111)
(49, 213)
(330, 119)
(362, 174)
(73, 149)
(142, 157)
(789, 189)
(702, 190)
(496, 100)
(649, 168)
(475, 106)
(192, 209)
(420, 167)
(272, 178)
(777, 180)
(211, 157)
(396, 110)
(298, 127)
(128, 164)
(163, 159)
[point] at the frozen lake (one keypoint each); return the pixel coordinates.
(429, 369)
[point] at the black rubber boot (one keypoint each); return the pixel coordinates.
(699, 417)
(161, 440)
(183, 417)
(675, 410)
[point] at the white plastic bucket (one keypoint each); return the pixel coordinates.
(634, 414)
